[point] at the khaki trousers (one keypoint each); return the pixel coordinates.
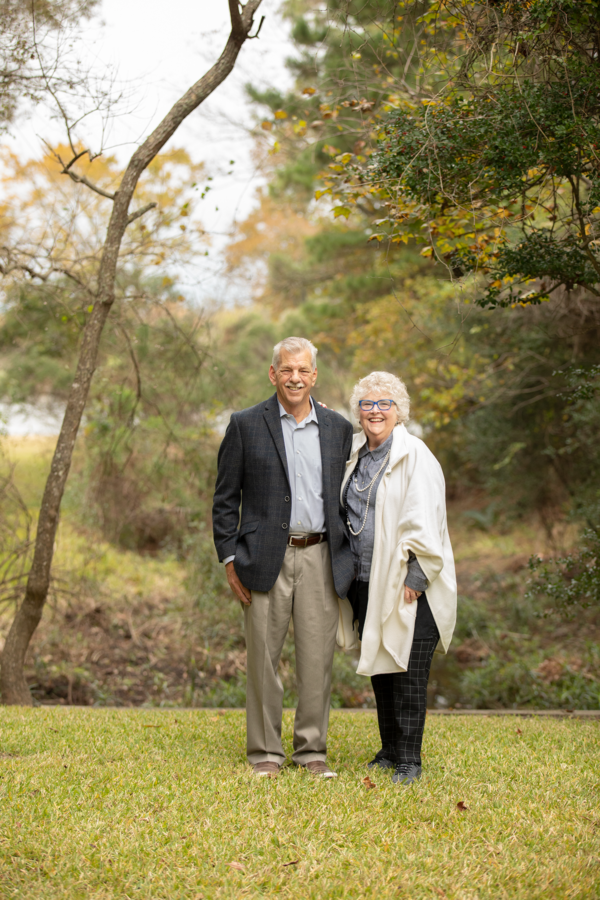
(304, 592)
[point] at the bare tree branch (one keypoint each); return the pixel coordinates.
(81, 179)
(140, 212)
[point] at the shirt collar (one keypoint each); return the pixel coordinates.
(378, 452)
(311, 417)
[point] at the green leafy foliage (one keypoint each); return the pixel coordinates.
(572, 581)
(496, 170)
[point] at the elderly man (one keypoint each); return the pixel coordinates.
(288, 555)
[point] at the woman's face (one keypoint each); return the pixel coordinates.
(378, 424)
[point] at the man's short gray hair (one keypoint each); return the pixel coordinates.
(294, 345)
(382, 383)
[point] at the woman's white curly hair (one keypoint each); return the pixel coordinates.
(388, 386)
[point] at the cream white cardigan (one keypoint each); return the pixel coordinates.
(410, 514)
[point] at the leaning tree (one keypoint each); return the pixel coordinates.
(12, 680)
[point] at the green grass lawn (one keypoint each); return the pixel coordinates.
(161, 805)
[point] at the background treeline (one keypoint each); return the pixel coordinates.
(354, 244)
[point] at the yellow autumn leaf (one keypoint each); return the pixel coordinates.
(309, 91)
(344, 158)
(281, 114)
(427, 251)
(376, 237)
(266, 125)
(341, 211)
(319, 194)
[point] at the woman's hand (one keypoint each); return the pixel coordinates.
(410, 595)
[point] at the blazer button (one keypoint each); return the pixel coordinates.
(287, 499)
(284, 526)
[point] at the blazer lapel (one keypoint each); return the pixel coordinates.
(273, 420)
(325, 437)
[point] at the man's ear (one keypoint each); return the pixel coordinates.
(272, 377)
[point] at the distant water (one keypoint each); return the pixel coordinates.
(21, 420)
(25, 419)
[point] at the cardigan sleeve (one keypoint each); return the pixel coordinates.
(415, 579)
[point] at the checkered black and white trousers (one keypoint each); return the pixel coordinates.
(401, 705)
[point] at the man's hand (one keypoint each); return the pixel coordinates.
(409, 595)
(242, 593)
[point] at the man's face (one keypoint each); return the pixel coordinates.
(294, 378)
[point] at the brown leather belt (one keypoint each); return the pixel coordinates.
(309, 541)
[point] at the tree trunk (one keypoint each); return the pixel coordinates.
(13, 685)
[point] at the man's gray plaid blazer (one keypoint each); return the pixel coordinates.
(253, 469)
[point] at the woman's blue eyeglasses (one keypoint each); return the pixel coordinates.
(383, 405)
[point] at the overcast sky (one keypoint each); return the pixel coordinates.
(156, 50)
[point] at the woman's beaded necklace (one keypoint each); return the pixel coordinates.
(368, 487)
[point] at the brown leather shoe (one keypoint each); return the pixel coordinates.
(321, 769)
(268, 769)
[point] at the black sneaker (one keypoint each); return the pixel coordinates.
(382, 762)
(406, 773)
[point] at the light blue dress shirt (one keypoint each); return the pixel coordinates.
(305, 469)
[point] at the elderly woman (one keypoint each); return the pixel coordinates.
(403, 600)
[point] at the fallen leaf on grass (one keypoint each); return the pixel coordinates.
(236, 865)
(369, 784)
(294, 862)
(519, 731)
(441, 892)
(461, 805)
